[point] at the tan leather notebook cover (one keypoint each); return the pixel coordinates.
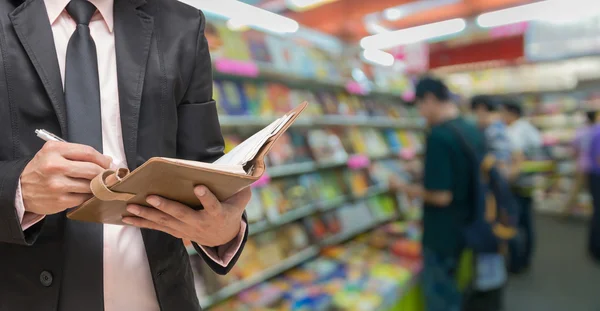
(173, 180)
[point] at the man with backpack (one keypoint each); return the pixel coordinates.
(447, 193)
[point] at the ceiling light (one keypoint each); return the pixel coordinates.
(372, 24)
(236, 25)
(375, 28)
(390, 39)
(512, 15)
(393, 14)
(550, 10)
(302, 5)
(378, 57)
(245, 14)
(398, 12)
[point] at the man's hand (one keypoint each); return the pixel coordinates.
(59, 176)
(216, 225)
(396, 184)
(411, 191)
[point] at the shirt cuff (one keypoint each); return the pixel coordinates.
(223, 254)
(26, 219)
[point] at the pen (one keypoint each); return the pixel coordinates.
(47, 136)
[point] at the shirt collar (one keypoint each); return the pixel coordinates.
(105, 7)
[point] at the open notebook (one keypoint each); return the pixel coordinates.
(236, 161)
(175, 179)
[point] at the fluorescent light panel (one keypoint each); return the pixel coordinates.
(549, 10)
(405, 36)
(375, 28)
(245, 14)
(512, 15)
(236, 25)
(398, 12)
(395, 13)
(301, 5)
(378, 57)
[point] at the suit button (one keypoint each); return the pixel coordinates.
(46, 278)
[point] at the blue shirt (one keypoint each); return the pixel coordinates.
(498, 142)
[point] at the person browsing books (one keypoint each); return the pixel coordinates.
(122, 81)
(446, 192)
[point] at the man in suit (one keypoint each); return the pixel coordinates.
(122, 81)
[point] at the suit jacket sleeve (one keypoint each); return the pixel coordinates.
(10, 223)
(199, 135)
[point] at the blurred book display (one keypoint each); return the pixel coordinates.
(325, 184)
(325, 231)
(374, 266)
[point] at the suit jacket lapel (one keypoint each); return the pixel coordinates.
(33, 28)
(133, 35)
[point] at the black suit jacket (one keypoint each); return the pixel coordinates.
(165, 92)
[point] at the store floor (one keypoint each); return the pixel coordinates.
(562, 277)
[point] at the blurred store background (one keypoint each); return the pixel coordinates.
(325, 231)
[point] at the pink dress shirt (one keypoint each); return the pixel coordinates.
(127, 279)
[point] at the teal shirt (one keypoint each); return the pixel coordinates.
(448, 168)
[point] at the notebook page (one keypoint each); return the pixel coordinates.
(239, 154)
(236, 169)
(250, 155)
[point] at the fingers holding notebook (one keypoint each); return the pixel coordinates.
(211, 204)
(216, 225)
(169, 177)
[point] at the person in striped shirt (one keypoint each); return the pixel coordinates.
(487, 112)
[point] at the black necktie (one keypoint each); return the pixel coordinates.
(82, 284)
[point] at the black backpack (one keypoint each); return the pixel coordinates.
(496, 211)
